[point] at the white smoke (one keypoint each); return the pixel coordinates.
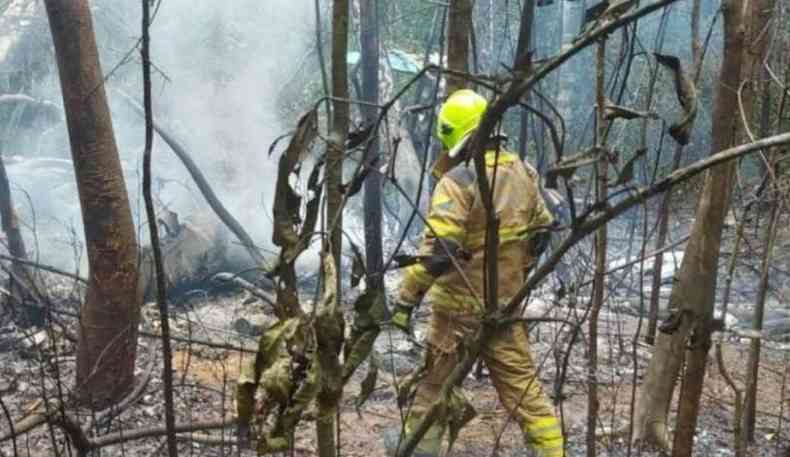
(220, 70)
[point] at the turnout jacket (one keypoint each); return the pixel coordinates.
(456, 228)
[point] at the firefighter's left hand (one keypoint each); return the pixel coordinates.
(401, 317)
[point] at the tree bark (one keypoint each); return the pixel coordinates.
(694, 292)
(153, 227)
(459, 30)
(758, 31)
(16, 247)
(658, 262)
(601, 173)
(339, 129)
(753, 363)
(523, 47)
(666, 201)
(369, 39)
(330, 394)
(110, 314)
(572, 15)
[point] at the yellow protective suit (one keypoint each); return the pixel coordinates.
(456, 227)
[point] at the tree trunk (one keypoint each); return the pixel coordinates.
(16, 247)
(459, 29)
(522, 48)
(759, 31)
(572, 14)
(694, 292)
(753, 364)
(339, 129)
(110, 314)
(153, 227)
(664, 212)
(330, 393)
(369, 40)
(600, 251)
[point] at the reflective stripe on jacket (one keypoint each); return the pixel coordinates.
(456, 227)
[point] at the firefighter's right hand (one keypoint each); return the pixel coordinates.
(401, 318)
(243, 432)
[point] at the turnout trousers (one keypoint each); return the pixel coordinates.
(512, 372)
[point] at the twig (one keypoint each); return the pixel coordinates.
(590, 223)
(10, 425)
(41, 266)
(649, 255)
(151, 432)
(161, 285)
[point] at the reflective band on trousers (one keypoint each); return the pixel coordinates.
(545, 436)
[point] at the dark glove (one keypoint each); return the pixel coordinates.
(401, 318)
(539, 242)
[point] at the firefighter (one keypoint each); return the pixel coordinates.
(451, 274)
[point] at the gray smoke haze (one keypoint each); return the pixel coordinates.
(220, 68)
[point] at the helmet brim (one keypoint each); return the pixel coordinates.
(456, 150)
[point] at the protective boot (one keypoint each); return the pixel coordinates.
(392, 437)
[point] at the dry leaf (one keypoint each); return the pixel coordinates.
(687, 96)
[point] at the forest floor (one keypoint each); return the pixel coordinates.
(37, 366)
(205, 380)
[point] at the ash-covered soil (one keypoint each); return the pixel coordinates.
(37, 369)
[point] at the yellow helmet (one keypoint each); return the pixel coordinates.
(459, 117)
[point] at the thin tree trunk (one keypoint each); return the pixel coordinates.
(522, 48)
(600, 251)
(758, 32)
(753, 364)
(663, 216)
(737, 432)
(16, 244)
(695, 291)
(339, 130)
(16, 247)
(459, 29)
(161, 286)
(369, 40)
(330, 393)
(658, 262)
(693, 294)
(572, 14)
(109, 316)
(10, 226)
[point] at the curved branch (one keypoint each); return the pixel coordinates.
(590, 224)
